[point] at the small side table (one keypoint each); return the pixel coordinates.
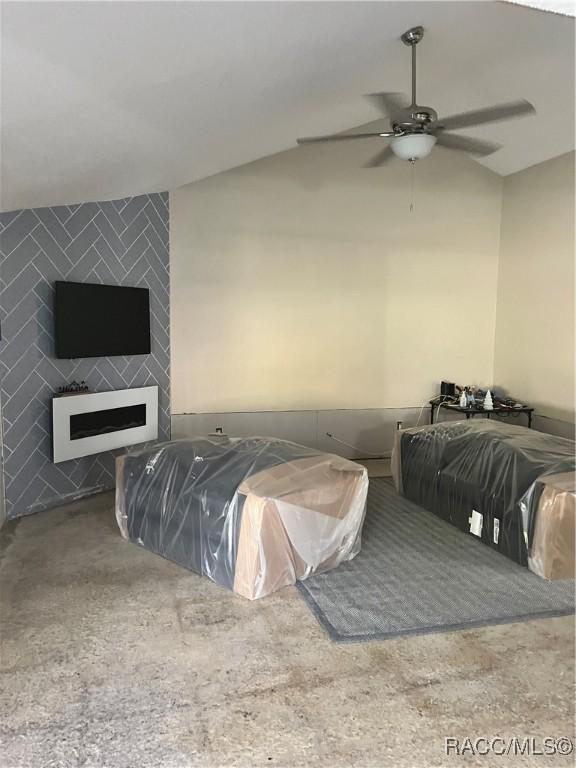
(472, 411)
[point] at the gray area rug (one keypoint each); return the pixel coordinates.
(417, 574)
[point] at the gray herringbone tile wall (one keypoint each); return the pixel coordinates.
(122, 242)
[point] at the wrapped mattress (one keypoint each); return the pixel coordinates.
(252, 514)
(484, 477)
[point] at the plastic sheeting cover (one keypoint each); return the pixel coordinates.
(476, 473)
(549, 519)
(252, 514)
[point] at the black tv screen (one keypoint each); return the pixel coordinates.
(94, 320)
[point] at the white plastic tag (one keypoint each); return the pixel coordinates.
(496, 535)
(476, 523)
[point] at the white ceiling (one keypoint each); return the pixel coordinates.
(555, 6)
(109, 99)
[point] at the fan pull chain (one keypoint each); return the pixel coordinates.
(412, 172)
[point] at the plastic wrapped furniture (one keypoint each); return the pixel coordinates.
(253, 515)
(476, 473)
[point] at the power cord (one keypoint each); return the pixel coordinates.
(427, 402)
(440, 404)
(355, 447)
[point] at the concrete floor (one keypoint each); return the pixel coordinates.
(114, 657)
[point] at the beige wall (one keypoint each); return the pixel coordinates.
(303, 281)
(535, 317)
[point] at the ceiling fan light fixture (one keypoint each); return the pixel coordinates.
(413, 146)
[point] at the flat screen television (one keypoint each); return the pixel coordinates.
(94, 320)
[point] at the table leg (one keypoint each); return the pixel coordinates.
(529, 419)
(431, 413)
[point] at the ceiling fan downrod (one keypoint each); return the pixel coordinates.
(412, 37)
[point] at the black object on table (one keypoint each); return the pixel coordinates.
(472, 410)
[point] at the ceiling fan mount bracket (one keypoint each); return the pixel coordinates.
(413, 36)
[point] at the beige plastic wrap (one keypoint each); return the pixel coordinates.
(252, 514)
(299, 518)
(552, 553)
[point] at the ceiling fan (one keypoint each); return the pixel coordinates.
(415, 130)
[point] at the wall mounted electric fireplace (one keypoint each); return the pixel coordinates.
(91, 423)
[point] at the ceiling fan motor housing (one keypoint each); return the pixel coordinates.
(413, 119)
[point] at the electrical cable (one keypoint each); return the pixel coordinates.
(424, 406)
(440, 404)
(420, 414)
(379, 455)
(355, 447)
(443, 401)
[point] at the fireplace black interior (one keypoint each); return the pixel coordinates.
(110, 420)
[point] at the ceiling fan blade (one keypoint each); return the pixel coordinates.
(381, 158)
(466, 144)
(488, 115)
(343, 137)
(388, 103)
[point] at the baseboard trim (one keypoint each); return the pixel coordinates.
(553, 426)
(357, 433)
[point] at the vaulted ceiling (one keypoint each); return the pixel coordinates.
(108, 99)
